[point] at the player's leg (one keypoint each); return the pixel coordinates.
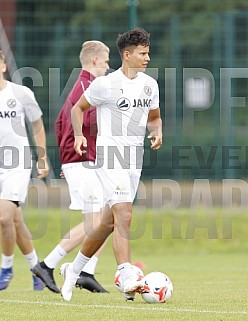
(73, 238)
(92, 242)
(13, 187)
(86, 193)
(8, 239)
(124, 184)
(25, 244)
(95, 236)
(86, 278)
(75, 235)
(122, 213)
(24, 241)
(16, 187)
(70, 241)
(121, 235)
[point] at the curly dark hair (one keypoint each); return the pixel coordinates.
(132, 38)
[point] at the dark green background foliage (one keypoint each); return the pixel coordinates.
(208, 34)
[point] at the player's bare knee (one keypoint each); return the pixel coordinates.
(123, 218)
(5, 219)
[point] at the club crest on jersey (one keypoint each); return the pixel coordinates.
(123, 103)
(11, 103)
(148, 90)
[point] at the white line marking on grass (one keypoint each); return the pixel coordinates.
(101, 306)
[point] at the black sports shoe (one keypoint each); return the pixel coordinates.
(46, 275)
(88, 282)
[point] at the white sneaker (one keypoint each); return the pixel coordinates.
(131, 286)
(70, 278)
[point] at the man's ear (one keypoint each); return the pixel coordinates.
(4, 68)
(126, 55)
(94, 60)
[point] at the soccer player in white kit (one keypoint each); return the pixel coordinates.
(17, 104)
(127, 103)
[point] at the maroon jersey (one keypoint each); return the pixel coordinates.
(64, 130)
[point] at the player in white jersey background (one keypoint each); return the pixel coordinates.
(127, 103)
(17, 104)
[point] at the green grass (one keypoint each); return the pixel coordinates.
(208, 267)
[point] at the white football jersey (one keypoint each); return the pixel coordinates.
(16, 103)
(122, 105)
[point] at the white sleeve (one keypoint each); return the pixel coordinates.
(155, 97)
(98, 91)
(32, 109)
(30, 106)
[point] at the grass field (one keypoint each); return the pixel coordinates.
(203, 251)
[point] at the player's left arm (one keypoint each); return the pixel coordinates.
(154, 126)
(77, 114)
(40, 141)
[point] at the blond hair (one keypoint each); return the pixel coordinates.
(90, 49)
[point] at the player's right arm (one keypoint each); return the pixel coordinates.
(77, 122)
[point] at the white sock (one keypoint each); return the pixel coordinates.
(56, 255)
(7, 261)
(31, 258)
(79, 262)
(90, 267)
(125, 270)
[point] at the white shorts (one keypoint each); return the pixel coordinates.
(119, 185)
(84, 187)
(14, 184)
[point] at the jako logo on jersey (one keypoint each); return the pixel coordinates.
(7, 114)
(11, 103)
(142, 102)
(123, 104)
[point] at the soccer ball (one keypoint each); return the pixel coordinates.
(157, 288)
(118, 281)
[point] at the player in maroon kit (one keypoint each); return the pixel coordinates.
(84, 187)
